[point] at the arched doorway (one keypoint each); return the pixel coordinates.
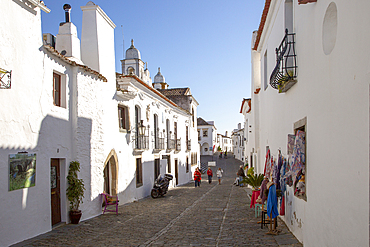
(110, 173)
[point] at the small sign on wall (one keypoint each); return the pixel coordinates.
(22, 171)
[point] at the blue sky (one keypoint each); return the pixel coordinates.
(201, 44)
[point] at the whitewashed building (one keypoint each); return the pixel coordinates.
(224, 142)
(311, 82)
(65, 102)
(250, 138)
(207, 136)
(238, 142)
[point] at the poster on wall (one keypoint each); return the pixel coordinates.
(22, 171)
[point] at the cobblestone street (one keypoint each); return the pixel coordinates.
(210, 215)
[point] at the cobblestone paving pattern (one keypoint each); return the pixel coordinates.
(210, 215)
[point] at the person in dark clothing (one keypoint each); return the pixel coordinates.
(210, 174)
(241, 175)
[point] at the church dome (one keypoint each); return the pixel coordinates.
(158, 78)
(132, 52)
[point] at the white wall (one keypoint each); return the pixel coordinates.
(85, 128)
(21, 119)
(333, 93)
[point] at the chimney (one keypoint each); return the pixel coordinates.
(67, 42)
(97, 41)
(67, 9)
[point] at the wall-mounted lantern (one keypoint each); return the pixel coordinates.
(5, 79)
(141, 128)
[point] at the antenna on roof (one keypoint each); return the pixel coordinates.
(123, 42)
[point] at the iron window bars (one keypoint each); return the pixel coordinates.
(286, 61)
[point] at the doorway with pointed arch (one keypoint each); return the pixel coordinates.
(110, 173)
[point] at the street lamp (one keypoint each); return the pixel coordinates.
(141, 128)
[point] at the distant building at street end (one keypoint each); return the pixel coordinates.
(224, 142)
(207, 133)
(238, 141)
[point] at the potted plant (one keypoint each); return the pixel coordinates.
(75, 192)
(254, 180)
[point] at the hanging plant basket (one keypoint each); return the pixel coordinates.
(286, 85)
(286, 82)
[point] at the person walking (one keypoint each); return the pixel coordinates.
(210, 174)
(241, 175)
(219, 174)
(197, 177)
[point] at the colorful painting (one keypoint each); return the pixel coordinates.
(291, 140)
(22, 171)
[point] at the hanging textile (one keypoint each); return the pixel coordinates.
(272, 202)
(299, 157)
(274, 172)
(282, 181)
(291, 139)
(270, 164)
(263, 188)
(267, 162)
(281, 160)
(278, 172)
(282, 206)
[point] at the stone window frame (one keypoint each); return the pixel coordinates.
(123, 118)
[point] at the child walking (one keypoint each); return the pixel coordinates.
(219, 174)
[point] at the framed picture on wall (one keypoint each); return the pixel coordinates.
(22, 171)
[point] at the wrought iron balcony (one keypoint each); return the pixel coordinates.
(159, 143)
(284, 75)
(141, 142)
(188, 145)
(171, 144)
(178, 144)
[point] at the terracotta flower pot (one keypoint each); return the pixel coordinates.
(75, 216)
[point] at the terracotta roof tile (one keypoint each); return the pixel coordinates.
(86, 68)
(262, 23)
(201, 121)
(175, 91)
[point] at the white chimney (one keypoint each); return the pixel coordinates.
(97, 41)
(67, 42)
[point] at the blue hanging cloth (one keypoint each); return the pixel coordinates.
(272, 202)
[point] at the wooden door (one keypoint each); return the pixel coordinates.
(176, 172)
(157, 166)
(107, 179)
(55, 191)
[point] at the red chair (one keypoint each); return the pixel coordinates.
(109, 201)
